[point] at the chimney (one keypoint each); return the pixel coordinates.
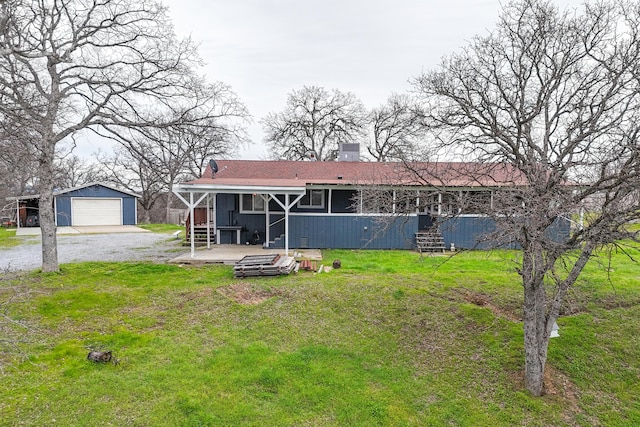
(349, 152)
(214, 168)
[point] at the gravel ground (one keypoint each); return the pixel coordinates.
(93, 247)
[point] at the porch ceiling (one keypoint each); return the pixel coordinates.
(248, 188)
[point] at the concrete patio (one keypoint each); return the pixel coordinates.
(92, 229)
(230, 254)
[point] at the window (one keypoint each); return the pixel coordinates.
(251, 203)
(429, 202)
(313, 199)
(405, 201)
(475, 202)
(374, 200)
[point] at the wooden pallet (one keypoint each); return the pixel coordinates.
(430, 241)
(264, 265)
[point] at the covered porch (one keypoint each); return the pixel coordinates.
(195, 195)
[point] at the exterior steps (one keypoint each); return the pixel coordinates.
(200, 235)
(430, 240)
(278, 242)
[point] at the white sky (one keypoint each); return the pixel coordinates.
(264, 49)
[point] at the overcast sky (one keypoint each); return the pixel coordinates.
(264, 49)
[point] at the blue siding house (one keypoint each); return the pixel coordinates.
(323, 205)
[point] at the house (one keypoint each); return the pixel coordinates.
(308, 204)
(86, 205)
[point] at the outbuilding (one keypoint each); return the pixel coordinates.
(87, 205)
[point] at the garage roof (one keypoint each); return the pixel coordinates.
(80, 187)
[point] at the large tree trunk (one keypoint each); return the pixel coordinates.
(536, 338)
(47, 216)
(167, 218)
(146, 215)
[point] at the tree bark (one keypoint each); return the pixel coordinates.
(47, 216)
(169, 203)
(536, 338)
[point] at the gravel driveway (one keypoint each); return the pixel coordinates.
(93, 247)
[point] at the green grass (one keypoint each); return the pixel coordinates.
(8, 237)
(390, 339)
(162, 228)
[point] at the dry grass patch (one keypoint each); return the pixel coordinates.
(247, 293)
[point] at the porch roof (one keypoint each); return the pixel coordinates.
(240, 186)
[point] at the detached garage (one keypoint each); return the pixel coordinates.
(95, 204)
(86, 205)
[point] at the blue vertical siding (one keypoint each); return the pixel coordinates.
(469, 232)
(327, 231)
(63, 211)
(349, 232)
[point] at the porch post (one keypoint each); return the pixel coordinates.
(267, 215)
(286, 206)
(286, 226)
(191, 227)
(17, 213)
(208, 221)
(215, 213)
(191, 205)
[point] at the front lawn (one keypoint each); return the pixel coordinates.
(8, 237)
(389, 339)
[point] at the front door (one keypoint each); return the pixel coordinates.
(425, 221)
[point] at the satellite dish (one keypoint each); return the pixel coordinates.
(214, 167)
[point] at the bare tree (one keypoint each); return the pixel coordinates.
(73, 171)
(129, 170)
(314, 123)
(553, 95)
(210, 142)
(103, 66)
(164, 156)
(397, 130)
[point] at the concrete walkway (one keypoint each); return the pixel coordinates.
(94, 229)
(230, 254)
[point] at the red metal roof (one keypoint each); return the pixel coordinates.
(286, 173)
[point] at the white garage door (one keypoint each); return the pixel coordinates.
(97, 211)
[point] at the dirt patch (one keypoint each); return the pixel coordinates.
(484, 300)
(194, 296)
(556, 386)
(557, 383)
(247, 293)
